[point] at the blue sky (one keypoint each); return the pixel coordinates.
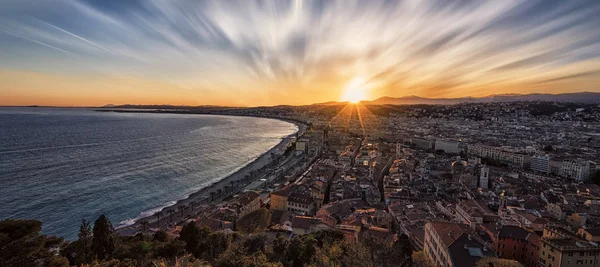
(69, 52)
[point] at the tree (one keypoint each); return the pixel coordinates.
(310, 248)
(402, 251)
(84, 253)
(171, 249)
(237, 256)
(495, 262)
(217, 244)
(196, 239)
(171, 211)
(294, 252)
(182, 209)
(255, 243)
(161, 236)
(328, 236)
(192, 204)
(280, 244)
(420, 259)
(157, 214)
(103, 241)
(190, 235)
(21, 244)
(144, 224)
(343, 253)
(185, 261)
(255, 221)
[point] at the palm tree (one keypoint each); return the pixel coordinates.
(192, 204)
(144, 224)
(171, 211)
(182, 209)
(157, 214)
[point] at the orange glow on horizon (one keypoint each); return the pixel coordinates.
(355, 91)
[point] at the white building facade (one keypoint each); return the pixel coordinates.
(540, 164)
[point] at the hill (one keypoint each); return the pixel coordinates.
(584, 97)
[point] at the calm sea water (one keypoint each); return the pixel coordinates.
(61, 165)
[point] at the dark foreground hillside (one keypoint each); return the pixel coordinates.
(21, 244)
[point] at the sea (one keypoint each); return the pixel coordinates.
(59, 165)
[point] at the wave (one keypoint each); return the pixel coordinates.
(144, 214)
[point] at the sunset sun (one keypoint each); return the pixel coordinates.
(354, 91)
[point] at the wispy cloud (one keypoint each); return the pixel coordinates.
(75, 35)
(300, 48)
(36, 41)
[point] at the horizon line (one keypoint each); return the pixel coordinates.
(321, 103)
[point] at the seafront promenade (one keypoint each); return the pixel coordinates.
(206, 198)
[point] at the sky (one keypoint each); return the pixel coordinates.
(251, 53)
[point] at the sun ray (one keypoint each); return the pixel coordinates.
(355, 90)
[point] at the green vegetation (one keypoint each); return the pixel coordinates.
(21, 244)
(256, 221)
(495, 262)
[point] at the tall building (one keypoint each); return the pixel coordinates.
(451, 147)
(540, 164)
(580, 170)
(484, 177)
(452, 244)
(422, 143)
(500, 153)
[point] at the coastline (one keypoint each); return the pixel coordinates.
(200, 200)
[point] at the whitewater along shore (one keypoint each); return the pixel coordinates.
(206, 197)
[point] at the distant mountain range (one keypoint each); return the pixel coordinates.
(584, 97)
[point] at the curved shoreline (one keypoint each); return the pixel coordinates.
(200, 200)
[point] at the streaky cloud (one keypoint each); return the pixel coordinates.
(281, 48)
